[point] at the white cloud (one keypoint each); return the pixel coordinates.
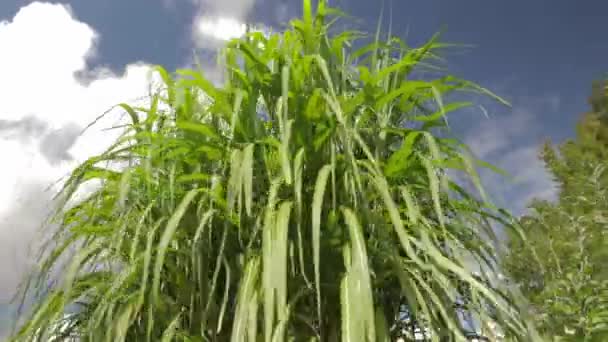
(239, 9)
(43, 103)
(512, 142)
(216, 22)
(221, 28)
(219, 21)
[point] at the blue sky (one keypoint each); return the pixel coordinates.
(540, 55)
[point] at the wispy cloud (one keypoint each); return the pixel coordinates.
(214, 23)
(512, 142)
(218, 21)
(221, 28)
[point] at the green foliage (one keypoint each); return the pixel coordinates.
(568, 287)
(598, 99)
(289, 203)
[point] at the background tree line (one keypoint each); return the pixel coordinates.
(564, 275)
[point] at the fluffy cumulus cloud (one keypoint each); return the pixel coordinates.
(48, 97)
(512, 142)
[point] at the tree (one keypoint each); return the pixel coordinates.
(291, 202)
(567, 285)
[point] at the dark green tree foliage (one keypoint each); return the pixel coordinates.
(598, 99)
(564, 275)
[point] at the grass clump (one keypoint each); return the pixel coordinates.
(290, 203)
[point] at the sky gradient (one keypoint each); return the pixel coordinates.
(86, 56)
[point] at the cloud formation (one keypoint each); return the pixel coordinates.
(219, 21)
(512, 142)
(45, 105)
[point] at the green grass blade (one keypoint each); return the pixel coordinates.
(317, 205)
